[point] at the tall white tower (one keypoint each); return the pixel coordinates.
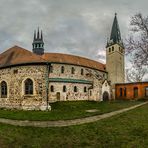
(115, 55)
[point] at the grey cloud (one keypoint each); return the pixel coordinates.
(79, 27)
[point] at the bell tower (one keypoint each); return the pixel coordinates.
(115, 55)
(38, 44)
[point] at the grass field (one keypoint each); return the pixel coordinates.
(127, 130)
(67, 110)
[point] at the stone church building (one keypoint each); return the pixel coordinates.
(33, 80)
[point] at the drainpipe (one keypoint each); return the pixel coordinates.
(47, 87)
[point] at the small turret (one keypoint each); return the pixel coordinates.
(38, 43)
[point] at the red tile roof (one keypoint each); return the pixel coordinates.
(71, 59)
(17, 55)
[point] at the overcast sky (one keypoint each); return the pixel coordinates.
(78, 27)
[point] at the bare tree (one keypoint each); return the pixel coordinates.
(137, 43)
(137, 48)
(135, 73)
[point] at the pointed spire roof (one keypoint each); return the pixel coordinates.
(34, 35)
(41, 35)
(115, 32)
(38, 34)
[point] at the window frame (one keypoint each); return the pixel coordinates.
(28, 88)
(75, 89)
(64, 88)
(51, 88)
(62, 69)
(4, 89)
(72, 70)
(146, 91)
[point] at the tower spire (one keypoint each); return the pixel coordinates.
(38, 43)
(115, 36)
(38, 34)
(41, 35)
(34, 35)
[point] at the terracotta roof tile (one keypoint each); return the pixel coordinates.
(71, 59)
(18, 55)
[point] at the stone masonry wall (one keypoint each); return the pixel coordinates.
(15, 77)
(93, 91)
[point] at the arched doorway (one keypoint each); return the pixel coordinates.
(105, 96)
(58, 96)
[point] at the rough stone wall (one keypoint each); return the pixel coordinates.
(15, 77)
(93, 91)
(69, 95)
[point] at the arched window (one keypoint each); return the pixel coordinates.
(112, 48)
(72, 70)
(52, 88)
(120, 92)
(62, 69)
(109, 49)
(125, 92)
(3, 89)
(146, 91)
(85, 89)
(75, 89)
(82, 72)
(28, 87)
(135, 92)
(64, 88)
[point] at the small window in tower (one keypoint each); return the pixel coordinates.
(119, 49)
(109, 49)
(112, 48)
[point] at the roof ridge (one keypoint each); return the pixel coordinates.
(74, 56)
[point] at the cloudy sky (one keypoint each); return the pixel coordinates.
(79, 27)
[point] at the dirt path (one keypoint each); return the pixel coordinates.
(61, 123)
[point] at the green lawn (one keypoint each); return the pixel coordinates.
(67, 110)
(126, 130)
